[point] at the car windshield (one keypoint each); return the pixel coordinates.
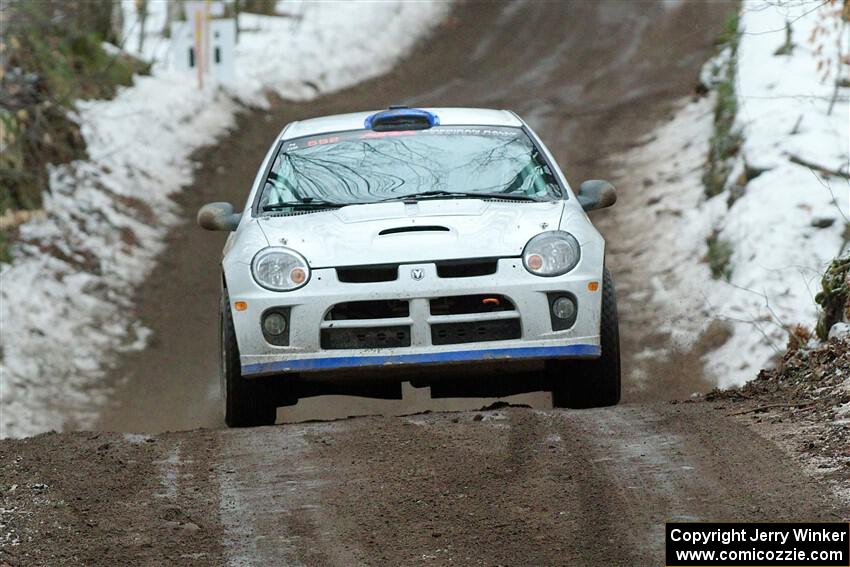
(363, 166)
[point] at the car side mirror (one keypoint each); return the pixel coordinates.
(596, 194)
(218, 216)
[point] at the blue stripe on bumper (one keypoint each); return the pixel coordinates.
(332, 363)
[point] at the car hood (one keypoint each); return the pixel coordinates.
(396, 232)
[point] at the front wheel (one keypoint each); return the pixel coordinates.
(592, 383)
(247, 403)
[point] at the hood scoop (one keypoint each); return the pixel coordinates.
(422, 228)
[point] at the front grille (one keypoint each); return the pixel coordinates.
(467, 268)
(381, 309)
(463, 304)
(381, 337)
(445, 269)
(367, 274)
(475, 332)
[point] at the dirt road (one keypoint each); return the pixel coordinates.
(502, 487)
(591, 78)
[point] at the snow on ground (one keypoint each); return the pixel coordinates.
(64, 299)
(778, 228)
(349, 42)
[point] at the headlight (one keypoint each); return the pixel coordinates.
(551, 253)
(280, 269)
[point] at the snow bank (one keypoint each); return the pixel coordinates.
(791, 219)
(346, 43)
(65, 299)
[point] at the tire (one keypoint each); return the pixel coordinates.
(592, 383)
(247, 403)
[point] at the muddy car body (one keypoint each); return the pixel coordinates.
(412, 238)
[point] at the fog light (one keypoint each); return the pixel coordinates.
(274, 324)
(563, 308)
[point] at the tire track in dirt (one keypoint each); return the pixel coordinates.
(512, 486)
(433, 488)
(689, 462)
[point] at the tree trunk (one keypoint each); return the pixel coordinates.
(172, 14)
(142, 12)
(116, 24)
(237, 7)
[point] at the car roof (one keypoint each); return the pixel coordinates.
(355, 121)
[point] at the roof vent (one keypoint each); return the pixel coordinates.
(401, 118)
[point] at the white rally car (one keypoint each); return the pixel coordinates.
(439, 246)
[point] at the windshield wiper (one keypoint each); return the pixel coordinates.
(305, 204)
(434, 194)
(439, 194)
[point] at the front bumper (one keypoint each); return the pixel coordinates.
(425, 358)
(310, 304)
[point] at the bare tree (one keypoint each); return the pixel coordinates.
(172, 14)
(237, 8)
(116, 18)
(833, 14)
(142, 12)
